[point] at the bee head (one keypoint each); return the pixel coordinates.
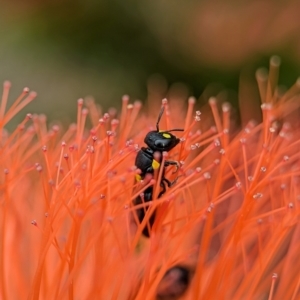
(161, 140)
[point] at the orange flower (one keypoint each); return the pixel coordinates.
(231, 222)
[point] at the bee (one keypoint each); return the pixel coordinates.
(158, 141)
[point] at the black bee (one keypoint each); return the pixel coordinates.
(157, 141)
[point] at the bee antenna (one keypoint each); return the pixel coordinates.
(159, 117)
(176, 129)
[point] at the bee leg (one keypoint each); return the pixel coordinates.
(163, 186)
(171, 183)
(173, 163)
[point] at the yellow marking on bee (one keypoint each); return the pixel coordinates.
(138, 177)
(166, 135)
(155, 164)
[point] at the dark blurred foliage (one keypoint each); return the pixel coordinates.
(110, 47)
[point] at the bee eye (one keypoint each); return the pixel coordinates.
(160, 143)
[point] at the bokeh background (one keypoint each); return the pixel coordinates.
(67, 49)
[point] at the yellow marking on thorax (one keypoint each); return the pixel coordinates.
(155, 164)
(138, 177)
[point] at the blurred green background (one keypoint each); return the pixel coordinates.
(67, 49)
